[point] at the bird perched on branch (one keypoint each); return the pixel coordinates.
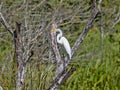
(63, 41)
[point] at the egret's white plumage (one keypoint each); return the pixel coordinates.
(62, 40)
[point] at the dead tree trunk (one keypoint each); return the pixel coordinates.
(21, 60)
(19, 57)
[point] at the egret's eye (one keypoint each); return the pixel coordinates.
(57, 32)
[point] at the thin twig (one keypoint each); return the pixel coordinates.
(6, 25)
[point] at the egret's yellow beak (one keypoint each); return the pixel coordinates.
(53, 30)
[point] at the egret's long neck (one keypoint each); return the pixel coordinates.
(60, 32)
(59, 36)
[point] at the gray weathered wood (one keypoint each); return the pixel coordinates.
(59, 62)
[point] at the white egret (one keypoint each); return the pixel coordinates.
(63, 41)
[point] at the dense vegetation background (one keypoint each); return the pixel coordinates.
(97, 61)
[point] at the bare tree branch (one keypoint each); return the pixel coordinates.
(94, 13)
(117, 19)
(6, 25)
(99, 5)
